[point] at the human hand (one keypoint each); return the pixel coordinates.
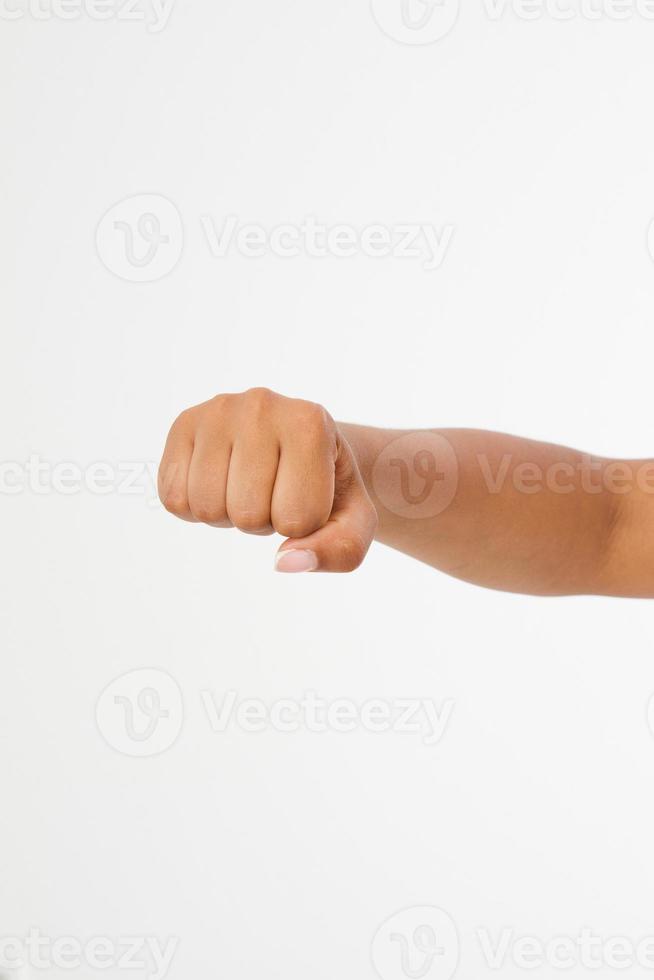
(260, 462)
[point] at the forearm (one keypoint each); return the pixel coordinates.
(496, 510)
(508, 513)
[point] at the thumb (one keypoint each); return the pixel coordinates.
(343, 542)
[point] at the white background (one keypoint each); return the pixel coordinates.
(279, 856)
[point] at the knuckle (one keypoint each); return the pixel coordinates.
(174, 501)
(204, 514)
(350, 553)
(205, 508)
(209, 416)
(185, 419)
(212, 415)
(222, 398)
(220, 404)
(297, 525)
(259, 399)
(313, 418)
(250, 521)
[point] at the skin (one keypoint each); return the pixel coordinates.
(492, 509)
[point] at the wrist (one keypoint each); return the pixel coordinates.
(361, 441)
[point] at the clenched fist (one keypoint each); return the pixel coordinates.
(262, 463)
